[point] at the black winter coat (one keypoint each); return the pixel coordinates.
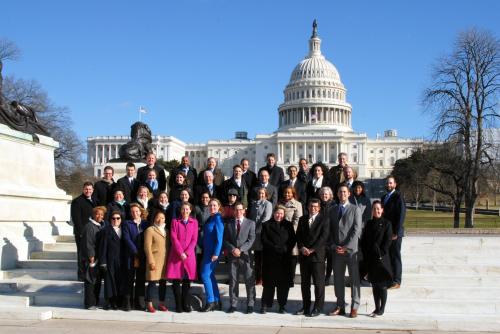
(112, 259)
(278, 240)
(375, 244)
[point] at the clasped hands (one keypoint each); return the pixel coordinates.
(236, 252)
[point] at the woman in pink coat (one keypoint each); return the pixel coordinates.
(181, 264)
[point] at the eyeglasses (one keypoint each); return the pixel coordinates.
(116, 218)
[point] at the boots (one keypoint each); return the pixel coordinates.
(186, 297)
(176, 287)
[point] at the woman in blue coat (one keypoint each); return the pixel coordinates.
(213, 232)
(133, 239)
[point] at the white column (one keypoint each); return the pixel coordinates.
(303, 115)
(279, 151)
(314, 151)
(96, 147)
(309, 111)
(327, 156)
(102, 154)
(305, 151)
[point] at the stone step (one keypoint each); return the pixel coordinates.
(10, 300)
(23, 313)
(439, 259)
(399, 322)
(47, 264)
(489, 270)
(53, 255)
(41, 274)
(60, 247)
(57, 299)
(31, 285)
(65, 238)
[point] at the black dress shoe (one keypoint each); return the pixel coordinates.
(219, 305)
(281, 310)
(209, 307)
(263, 310)
(315, 312)
(249, 309)
(302, 312)
(187, 308)
(232, 309)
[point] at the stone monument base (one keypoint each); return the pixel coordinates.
(33, 209)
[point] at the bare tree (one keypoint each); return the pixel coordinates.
(8, 51)
(464, 98)
(56, 119)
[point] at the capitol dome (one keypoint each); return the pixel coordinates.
(315, 96)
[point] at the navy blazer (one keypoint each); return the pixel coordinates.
(133, 239)
(395, 212)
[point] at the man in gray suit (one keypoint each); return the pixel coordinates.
(345, 230)
(239, 236)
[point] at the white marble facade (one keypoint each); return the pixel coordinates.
(314, 123)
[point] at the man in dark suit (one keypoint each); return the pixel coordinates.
(237, 182)
(217, 172)
(312, 236)
(128, 184)
(142, 173)
(345, 231)
(304, 172)
(81, 211)
(248, 175)
(239, 236)
(276, 175)
(295, 182)
(208, 186)
(272, 191)
(336, 174)
(185, 166)
(104, 188)
(395, 212)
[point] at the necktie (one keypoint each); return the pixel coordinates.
(311, 220)
(210, 189)
(341, 212)
(238, 227)
(386, 199)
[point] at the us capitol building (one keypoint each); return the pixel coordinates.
(315, 122)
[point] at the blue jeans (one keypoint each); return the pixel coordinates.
(208, 278)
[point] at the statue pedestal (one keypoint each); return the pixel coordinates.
(32, 208)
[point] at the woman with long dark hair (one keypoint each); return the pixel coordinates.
(375, 244)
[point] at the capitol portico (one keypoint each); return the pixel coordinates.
(315, 122)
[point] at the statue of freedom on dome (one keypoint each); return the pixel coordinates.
(315, 29)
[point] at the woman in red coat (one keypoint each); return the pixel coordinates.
(181, 264)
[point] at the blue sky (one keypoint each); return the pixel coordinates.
(205, 69)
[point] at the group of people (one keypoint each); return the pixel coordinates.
(132, 232)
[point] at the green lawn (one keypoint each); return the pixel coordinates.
(429, 219)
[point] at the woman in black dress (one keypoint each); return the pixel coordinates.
(375, 244)
(278, 240)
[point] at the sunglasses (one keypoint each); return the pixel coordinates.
(116, 218)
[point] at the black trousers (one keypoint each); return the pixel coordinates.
(395, 255)
(268, 294)
(152, 290)
(81, 269)
(92, 290)
(379, 296)
(329, 264)
(181, 294)
(316, 271)
(136, 286)
(293, 265)
(257, 257)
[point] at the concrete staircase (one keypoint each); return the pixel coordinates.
(48, 278)
(450, 282)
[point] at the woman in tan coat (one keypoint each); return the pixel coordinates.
(156, 246)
